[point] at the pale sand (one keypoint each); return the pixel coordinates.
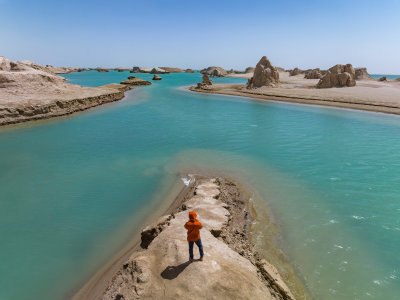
(370, 95)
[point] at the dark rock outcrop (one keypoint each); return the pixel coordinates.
(265, 74)
(189, 71)
(151, 232)
(156, 77)
(338, 76)
(101, 70)
(383, 78)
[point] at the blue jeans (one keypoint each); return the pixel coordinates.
(198, 243)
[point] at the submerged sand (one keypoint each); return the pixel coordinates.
(370, 95)
(232, 268)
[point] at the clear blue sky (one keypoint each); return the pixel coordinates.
(196, 34)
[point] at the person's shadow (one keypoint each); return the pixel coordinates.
(171, 272)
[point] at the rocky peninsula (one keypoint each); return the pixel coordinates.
(159, 267)
(340, 86)
(29, 91)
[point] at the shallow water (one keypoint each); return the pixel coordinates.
(75, 190)
(377, 76)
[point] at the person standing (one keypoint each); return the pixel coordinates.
(193, 227)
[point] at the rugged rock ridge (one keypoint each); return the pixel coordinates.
(265, 74)
(338, 76)
(163, 271)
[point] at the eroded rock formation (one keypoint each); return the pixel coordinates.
(362, 74)
(249, 70)
(338, 76)
(206, 79)
(295, 71)
(214, 71)
(140, 70)
(26, 74)
(172, 69)
(313, 74)
(205, 82)
(132, 80)
(5, 64)
(265, 74)
(156, 77)
(158, 71)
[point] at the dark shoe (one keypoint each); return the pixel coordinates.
(191, 259)
(201, 258)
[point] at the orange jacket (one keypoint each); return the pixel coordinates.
(193, 227)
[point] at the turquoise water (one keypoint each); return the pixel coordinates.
(74, 190)
(377, 76)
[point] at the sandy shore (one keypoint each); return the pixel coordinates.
(135, 273)
(370, 95)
